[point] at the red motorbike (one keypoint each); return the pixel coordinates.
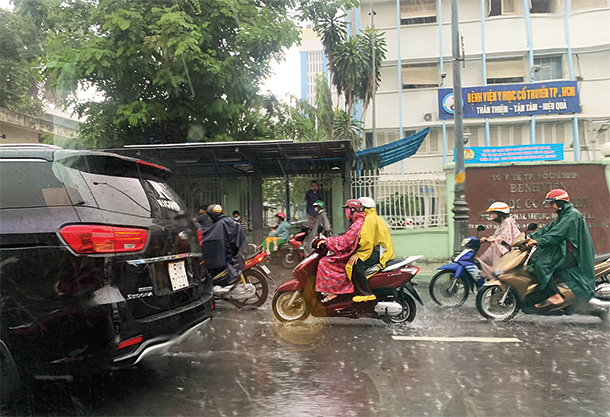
(294, 253)
(296, 298)
(255, 280)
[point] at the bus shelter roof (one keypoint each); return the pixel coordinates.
(266, 158)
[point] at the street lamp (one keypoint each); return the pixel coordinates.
(460, 207)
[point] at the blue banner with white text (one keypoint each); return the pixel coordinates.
(553, 97)
(521, 153)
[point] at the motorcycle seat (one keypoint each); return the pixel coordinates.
(601, 258)
(392, 265)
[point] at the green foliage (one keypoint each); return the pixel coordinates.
(347, 128)
(19, 58)
(400, 204)
(166, 70)
(274, 193)
(350, 58)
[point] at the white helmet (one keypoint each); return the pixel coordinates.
(367, 202)
(500, 207)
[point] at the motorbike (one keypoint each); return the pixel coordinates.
(516, 288)
(294, 253)
(452, 284)
(296, 299)
(254, 279)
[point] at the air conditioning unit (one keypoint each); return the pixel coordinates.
(429, 117)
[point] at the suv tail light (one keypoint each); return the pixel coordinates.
(83, 238)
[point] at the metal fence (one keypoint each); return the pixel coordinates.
(405, 201)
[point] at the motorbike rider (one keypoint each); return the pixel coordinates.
(507, 231)
(321, 219)
(374, 248)
(332, 278)
(224, 246)
(565, 249)
(278, 235)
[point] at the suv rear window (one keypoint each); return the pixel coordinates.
(30, 183)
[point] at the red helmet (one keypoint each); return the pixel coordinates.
(353, 205)
(281, 215)
(557, 194)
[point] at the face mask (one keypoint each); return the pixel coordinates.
(236, 218)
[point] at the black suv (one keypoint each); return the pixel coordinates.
(100, 265)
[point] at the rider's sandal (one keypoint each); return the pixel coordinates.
(547, 304)
(327, 300)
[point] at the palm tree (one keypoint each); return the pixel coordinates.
(368, 37)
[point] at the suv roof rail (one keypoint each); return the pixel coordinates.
(29, 145)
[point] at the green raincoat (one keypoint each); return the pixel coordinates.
(554, 254)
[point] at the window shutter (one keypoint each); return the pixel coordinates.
(506, 68)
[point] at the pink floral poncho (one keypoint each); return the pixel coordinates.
(331, 277)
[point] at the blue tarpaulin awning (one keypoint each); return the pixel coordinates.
(391, 153)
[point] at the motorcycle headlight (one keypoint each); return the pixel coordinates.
(464, 242)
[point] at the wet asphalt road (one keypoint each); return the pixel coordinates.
(247, 364)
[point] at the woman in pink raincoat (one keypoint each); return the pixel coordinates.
(331, 278)
(507, 231)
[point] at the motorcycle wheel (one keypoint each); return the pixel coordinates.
(260, 282)
(448, 291)
(290, 259)
(297, 311)
(488, 303)
(406, 316)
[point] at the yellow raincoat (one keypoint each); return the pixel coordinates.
(374, 233)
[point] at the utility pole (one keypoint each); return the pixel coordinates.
(372, 13)
(460, 207)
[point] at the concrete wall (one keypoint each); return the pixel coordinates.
(432, 243)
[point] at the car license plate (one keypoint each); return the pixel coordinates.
(177, 275)
(264, 268)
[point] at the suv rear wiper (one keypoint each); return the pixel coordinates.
(122, 192)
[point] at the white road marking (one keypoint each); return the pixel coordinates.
(458, 339)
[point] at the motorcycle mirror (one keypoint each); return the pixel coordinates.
(532, 226)
(480, 228)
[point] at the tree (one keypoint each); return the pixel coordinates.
(21, 47)
(350, 59)
(168, 70)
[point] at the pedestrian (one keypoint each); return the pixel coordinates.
(565, 249)
(237, 217)
(506, 232)
(278, 235)
(202, 217)
(311, 196)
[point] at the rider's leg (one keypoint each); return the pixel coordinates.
(361, 283)
(552, 290)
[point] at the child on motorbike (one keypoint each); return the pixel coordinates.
(506, 232)
(278, 235)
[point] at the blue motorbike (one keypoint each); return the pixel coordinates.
(454, 281)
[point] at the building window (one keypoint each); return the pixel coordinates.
(550, 68)
(541, 6)
(505, 71)
(432, 145)
(500, 7)
(415, 12)
(420, 76)
(588, 4)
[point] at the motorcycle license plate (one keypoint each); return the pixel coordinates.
(177, 275)
(264, 268)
